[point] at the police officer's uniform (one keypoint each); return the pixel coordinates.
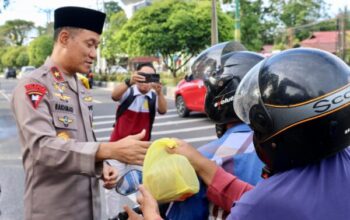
(53, 112)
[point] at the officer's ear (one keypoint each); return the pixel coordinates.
(63, 37)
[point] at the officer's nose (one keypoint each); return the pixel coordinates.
(93, 53)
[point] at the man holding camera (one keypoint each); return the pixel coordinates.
(139, 97)
(137, 103)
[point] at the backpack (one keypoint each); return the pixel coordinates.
(127, 102)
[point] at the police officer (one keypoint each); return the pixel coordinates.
(62, 160)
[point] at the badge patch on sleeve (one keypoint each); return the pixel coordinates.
(35, 93)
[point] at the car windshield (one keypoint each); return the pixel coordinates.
(27, 69)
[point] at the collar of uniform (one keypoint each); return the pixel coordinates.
(67, 78)
(137, 92)
(72, 82)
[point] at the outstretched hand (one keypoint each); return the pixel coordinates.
(148, 205)
(185, 149)
(131, 149)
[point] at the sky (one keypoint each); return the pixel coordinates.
(38, 11)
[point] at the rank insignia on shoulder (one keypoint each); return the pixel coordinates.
(88, 98)
(57, 74)
(65, 120)
(64, 135)
(62, 97)
(35, 93)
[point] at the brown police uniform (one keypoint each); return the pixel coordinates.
(54, 117)
(53, 113)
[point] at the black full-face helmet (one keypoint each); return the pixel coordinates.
(209, 60)
(222, 84)
(298, 104)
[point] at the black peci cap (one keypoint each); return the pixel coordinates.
(80, 18)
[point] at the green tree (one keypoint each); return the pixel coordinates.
(48, 30)
(173, 29)
(3, 51)
(9, 59)
(39, 49)
(110, 47)
(294, 13)
(252, 24)
(23, 58)
(111, 8)
(15, 31)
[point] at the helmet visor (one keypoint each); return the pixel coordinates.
(247, 93)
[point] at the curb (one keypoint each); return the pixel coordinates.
(168, 91)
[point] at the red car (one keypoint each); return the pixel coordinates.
(190, 92)
(189, 96)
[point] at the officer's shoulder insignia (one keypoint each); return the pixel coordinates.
(57, 75)
(35, 93)
(63, 135)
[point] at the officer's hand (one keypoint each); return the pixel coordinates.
(130, 149)
(109, 176)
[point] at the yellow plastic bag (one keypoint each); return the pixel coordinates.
(169, 177)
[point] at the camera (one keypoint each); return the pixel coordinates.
(150, 77)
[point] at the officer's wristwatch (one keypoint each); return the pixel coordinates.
(127, 82)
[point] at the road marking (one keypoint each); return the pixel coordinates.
(102, 130)
(158, 116)
(209, 138)
(158, 123)
(197, 128)
(6, 96)
(96, 101)
(10, 157)
(188, 140)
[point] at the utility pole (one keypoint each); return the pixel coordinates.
(214, 24)
(237, 21)
(343, 34)
(290, 33)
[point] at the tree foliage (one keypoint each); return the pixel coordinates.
(111, 8)
(172, 29)
(110, 47)
(15, 31)
(39, 49)
(14, 57)
(294, 13)
(252, 24)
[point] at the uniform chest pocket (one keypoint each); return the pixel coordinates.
(64, 120)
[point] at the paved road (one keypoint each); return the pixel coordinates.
(196, 129)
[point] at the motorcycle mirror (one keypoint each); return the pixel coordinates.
(129, 182)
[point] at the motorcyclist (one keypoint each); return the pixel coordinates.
(298, 105)
(234, 150)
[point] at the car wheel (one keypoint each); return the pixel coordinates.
(181, 108)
